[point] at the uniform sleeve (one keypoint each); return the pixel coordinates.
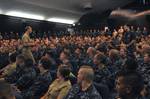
(39, 89)
(9, 71)
(96, 96)
(133, 36)
(45, 96)
(25, 39)
(26, 79)
(63, 92)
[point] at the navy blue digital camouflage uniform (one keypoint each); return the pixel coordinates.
(127, 38)
(23, 77)
(101, 75)
(144, 69)
(77, 93)
(39, 86)
(113, 67)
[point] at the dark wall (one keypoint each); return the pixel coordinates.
(148, 19)
(99, 20)
(94, 20)
(15, 24)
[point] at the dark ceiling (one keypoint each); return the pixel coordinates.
(71, 9)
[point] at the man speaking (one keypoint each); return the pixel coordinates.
(27, 44)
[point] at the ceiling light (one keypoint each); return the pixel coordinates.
(0, 11)
(25, 15)
(60, 20)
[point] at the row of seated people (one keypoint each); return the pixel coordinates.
(100, 42)
(94, 32)
(30, 78)
(115, 37)
(30, 82)
(122, 58)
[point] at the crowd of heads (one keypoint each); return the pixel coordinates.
(97, 58)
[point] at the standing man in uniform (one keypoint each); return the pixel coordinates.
(27, 44)
(129, 38)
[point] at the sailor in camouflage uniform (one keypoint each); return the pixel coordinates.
(23, 76)
(84, 89)
(129, 85)
(144, 68)
(101, 70)
(41, 82)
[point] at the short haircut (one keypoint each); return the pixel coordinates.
(50, 53)
(88, 73)
(46, 63)
(66, 65)
(27, 27)
(148, 53)
(131, 64)
(12, 57)
(145, 48)
(64, 72)
(21, 57)
(66, 53)
(114, 53)
(79, 48)
(101, 57)
(133, 80)
(92, 49)
(5, 90)
(28, 63)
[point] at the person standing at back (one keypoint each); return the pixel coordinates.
(27, 43)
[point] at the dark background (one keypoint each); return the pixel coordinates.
(89, 20)
(15, 24)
